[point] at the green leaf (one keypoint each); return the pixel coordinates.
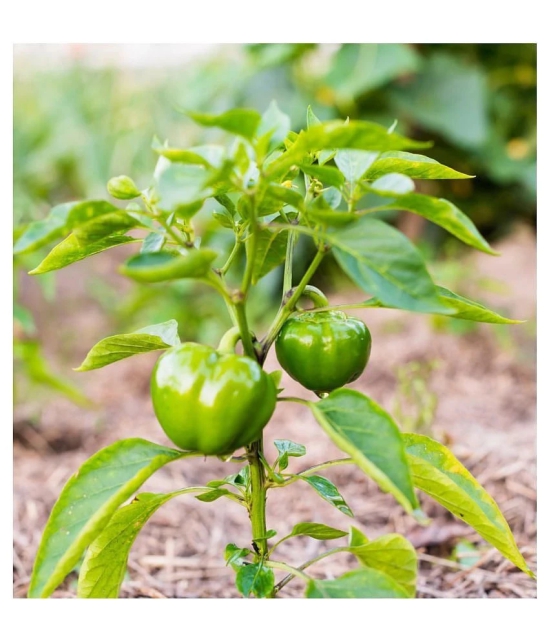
(153, 267)
(85, 211)
(153, 242)
(290, 448)
(414, 165)
(392, 554)
(69, 251)
(24, 318)
(117, 347)
(324, 173)
(39, 233)
(395, 183)
(180, 185)
(88, 501)
(325, 155)
(356, 537)
(360, 583)
(117, 222)
(471, 310)
(320, 211)
(441, 212)
(360, 135)
(210, 496)
(234, 555)
(362, 429)
(354, 163)
(104, 565)
(328, 491)
(463, 308)
(243, 122)
(256, 579)
(317, 531)
(285, 196)
(384, 263)
(437, 472)
(227, 203)
(276, 122)
(270, 252)
(207, 155)
(311, 119)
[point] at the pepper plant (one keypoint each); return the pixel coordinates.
(331, 183)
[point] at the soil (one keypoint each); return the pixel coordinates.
(484, 386)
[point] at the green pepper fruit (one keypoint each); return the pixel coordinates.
(323, 351)
(211, 401)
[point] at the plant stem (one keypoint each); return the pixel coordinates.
(294, 477)
(288, 568)
(293, 573)
(231, 257)
(290, 304)
(246, 337)
(257, 497)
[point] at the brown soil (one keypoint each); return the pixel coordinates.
(486, 411)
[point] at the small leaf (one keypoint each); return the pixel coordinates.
(361, 428)
(117, 347)
(224, 219)
(356, 537)
(392, 554)
(86, 505)
(270, 252)
(324, 173)
(290, 448)
(414, 165)
(165, 266)
(328, 491)
(317, 531)
(206, 155)
(384, 263)
(320, 211)
(234, 555)
(354, 163)
(210, 496)
(122, 187)
(275, 122)
(360, 583)
(256, 579)
(153, 242)
(437, 472)
(243, 122)
(70, 251)
(227, 203)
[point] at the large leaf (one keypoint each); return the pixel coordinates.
(88, 501)
(117, 347)
(362, 429)
(153, 267)
(104, 565)
(360, 583)
(270, 252)
(70, 250)
(392, 554)
(441, 212)
(464, 308)
(384, 263)
(414, 165)
(206, 155)
(243, 122)
(437, 472)
(326, 174)
(117, 222)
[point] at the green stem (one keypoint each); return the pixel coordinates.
(242, 322)
(293, 573)
(275, 564)
(257, 498)
(294, 477)
(287, 279)
(231, 257)
(293, 298)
